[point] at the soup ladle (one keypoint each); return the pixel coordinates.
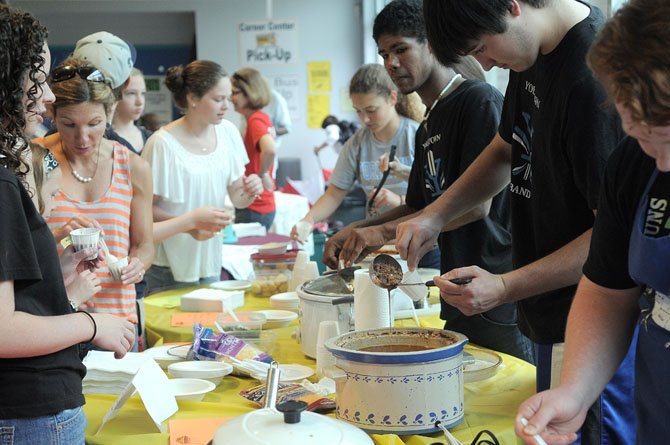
(386, 272)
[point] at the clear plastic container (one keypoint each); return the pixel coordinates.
(267, 283)
(272, 273)
(247, 321)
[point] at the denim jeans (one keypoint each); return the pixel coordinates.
(493, 334)
(64, 428)
(160, 279)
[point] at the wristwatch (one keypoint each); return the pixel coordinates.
(73, 305)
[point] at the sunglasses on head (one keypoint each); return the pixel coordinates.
(89, 73)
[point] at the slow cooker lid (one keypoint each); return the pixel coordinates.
(329, 286)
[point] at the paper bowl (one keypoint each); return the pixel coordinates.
(273, 249)
(84, 238)
(288, 301)
(211, 371)
(167, 354)
(276, 318)
(190, 389)
(116, 267)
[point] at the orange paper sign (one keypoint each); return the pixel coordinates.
(188, 318)
(194, 431)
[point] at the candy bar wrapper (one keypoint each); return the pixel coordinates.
(208, 345)
(291, 391)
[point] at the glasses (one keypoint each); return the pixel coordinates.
(89, 73)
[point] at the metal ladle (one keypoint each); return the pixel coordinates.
(386, 272)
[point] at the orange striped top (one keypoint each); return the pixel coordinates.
(112, 211)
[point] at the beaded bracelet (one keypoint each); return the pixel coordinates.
(95, 326)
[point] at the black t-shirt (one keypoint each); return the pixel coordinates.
(561, 136)
(459, 127)
(47, 384)
(628, 172)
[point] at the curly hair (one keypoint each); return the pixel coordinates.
(197, 78)
(22, 39)
(452, 26)
(631, 58)
(400, 18)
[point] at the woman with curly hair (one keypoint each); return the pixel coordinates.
(40, 369)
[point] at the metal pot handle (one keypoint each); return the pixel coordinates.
(272, 386)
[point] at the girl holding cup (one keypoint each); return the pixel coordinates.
(40, 369)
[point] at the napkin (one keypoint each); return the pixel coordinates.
(211, 300)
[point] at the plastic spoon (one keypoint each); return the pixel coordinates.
(537, 437)
(109, 258)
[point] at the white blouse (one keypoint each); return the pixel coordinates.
(184, 181)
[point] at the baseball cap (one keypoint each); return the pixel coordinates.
(110, 54)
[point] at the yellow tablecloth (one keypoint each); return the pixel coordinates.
(490, 404)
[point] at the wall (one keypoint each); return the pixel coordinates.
(328, 30)
(336, 30)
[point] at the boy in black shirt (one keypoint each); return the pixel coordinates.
(461, 117)
(552, 144)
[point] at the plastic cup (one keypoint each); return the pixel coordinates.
(85, 238)
(303, 228)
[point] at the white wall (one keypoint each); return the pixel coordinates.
(328, 30)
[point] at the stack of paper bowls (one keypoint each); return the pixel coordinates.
(108, 375)
(287, 301)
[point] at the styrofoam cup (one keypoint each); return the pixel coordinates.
(84, 238)
(324, 359)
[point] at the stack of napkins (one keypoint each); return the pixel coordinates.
(249, 229)
(108, 375)
(211, 300)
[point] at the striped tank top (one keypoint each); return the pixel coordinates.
(112, 211)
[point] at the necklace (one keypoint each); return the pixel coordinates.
(75, 173)
(439, 97)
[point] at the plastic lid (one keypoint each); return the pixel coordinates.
(290, 255)
(266, 426)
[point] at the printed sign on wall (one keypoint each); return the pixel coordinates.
(288, 86)
(268, 42)
(158, 98)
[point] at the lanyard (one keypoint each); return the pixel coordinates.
(439, 97)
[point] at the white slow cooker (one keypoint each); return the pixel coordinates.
(316, 305)
(403, 392)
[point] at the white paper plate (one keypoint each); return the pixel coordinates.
(231, 285)
(289, 373)
(483, 365)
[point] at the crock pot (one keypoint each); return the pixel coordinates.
(400, 392)
(316, 305)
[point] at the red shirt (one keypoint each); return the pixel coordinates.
(258, 125)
